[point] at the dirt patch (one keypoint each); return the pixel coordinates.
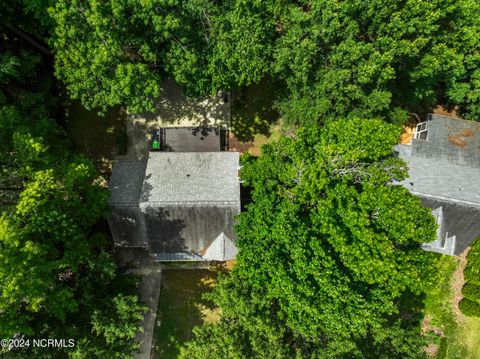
(254, 147)
(252, 110)
(426, 323)
(457, 285)
(440, 110)
(431, 350)
(236, 145)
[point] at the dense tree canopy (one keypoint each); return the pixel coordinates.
(117, 52)
(327, 247)
(335, 58)
(378, 58)
(57, 278)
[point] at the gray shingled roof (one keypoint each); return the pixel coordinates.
(447, 164)
(176, 204)
(451, 139)
(442, 179)
(126, 182)
(444, 243)
(189, 178)
(459, 220)
(444, 171)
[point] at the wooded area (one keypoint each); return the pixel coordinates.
(58, 278)
(330, 261)
(332, 59)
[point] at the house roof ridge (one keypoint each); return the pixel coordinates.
(442, 198)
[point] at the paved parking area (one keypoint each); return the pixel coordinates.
(175, 110)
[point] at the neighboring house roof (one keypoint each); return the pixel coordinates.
(459, 227)
(451, 139)
(443, 244)
(439, 178)
(191, 178)
(444, 171)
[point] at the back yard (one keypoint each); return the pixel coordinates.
(180, 308)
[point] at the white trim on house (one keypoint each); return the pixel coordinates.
(421, 131)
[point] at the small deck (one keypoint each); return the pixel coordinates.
(193, 139)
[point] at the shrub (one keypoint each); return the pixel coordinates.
(472, 270)
(442, 349)
(469, 307)
(471, 291)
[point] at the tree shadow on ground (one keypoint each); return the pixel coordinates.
(175, 107)
(252, 110)
(411, 308)
(101, 138)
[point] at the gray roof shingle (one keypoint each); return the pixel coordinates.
(446, 165)
(444, 171)
(191, 178)
(126, 182)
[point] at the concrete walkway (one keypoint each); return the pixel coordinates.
(142, 264)
(148, 292)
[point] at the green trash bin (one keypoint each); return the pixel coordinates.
(155, 144)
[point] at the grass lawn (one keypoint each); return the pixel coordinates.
(180, 308)
(462, 334)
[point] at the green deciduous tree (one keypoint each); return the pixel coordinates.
(463, 85)
(57, 278)
(104, 50)
(327, 247)
(335, 58)
(377, 58)
(25, 102)
(117, 52)
(241, 41)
